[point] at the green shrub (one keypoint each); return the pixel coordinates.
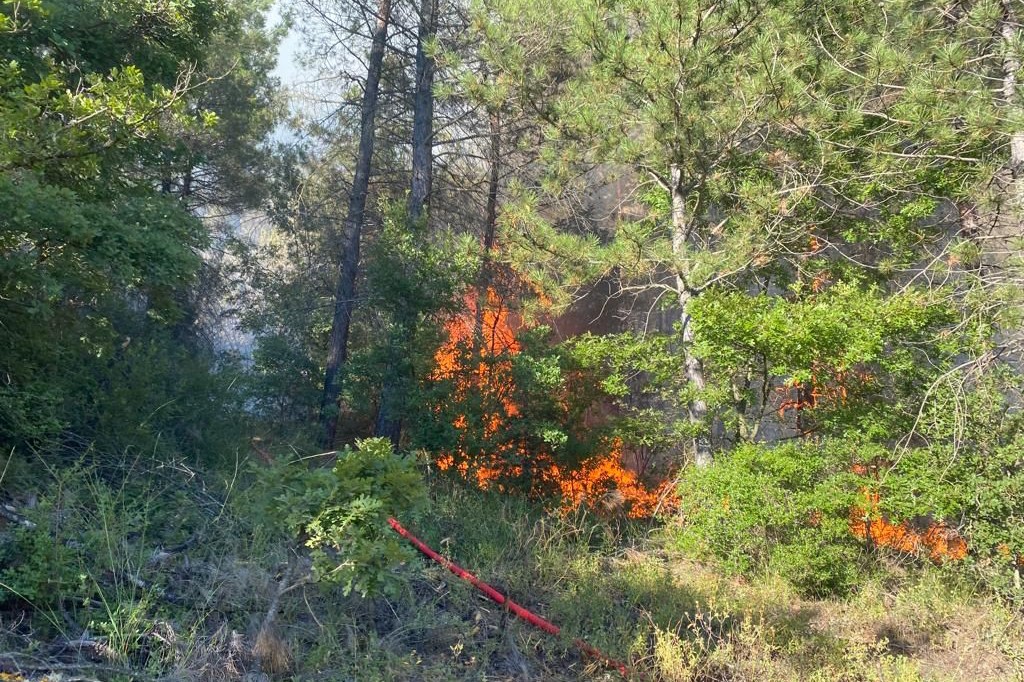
(56, 551)
(344, 514)
(38, 568)
(782, 509)
(85, 552)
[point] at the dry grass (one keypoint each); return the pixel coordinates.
(271, 652)
(671, 618)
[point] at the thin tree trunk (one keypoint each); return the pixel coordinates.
(1011, 72)
(494, 160)
(693, 366)
(344, 299)
(491, 222)
(423, 114)
(186, 184)
(1015, 183)
(1006, 226)
(389, 418)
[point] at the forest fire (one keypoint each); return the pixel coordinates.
(827, 387)
(942, 542)
(478, 359)
(606, 480)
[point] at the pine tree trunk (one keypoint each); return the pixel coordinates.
(1011, 72)
(389, 419)
(494, 160)
(423, 114)
(345, 294)
(490, 223)
(997, 244)
(694, 368)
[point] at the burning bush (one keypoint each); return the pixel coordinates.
(516, 413)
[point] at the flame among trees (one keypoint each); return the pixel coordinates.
(538, 423)
(938, 539)
(527, 422)
(828, 388)
(519, 416)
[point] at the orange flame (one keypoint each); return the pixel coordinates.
(602, 482)
(942, 542)
(490, 374)
(819, 392)
(606, 483)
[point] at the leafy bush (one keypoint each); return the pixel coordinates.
(876, 354)
(519, 414)
(59, 547)
(977, 493)
(37, 568)
(783, 509)
(344, 513)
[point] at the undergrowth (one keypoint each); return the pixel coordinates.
(174, 574)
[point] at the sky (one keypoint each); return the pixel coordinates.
(287, 59)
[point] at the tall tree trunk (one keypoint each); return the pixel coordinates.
(423, 114)
(344, 298)
(494, 161)
(997, 243)
(1011, 73)
(491, 221)
(693, 366)
(389, 419)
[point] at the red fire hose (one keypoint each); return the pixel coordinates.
(498, 597)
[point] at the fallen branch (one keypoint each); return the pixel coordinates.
(499, 598)
(22, 663)
(270, 650)
(11, 514)
(162, 554)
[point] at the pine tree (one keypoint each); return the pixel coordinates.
(344, 299)
(774, 148)
(389, 420)
(697, 101)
